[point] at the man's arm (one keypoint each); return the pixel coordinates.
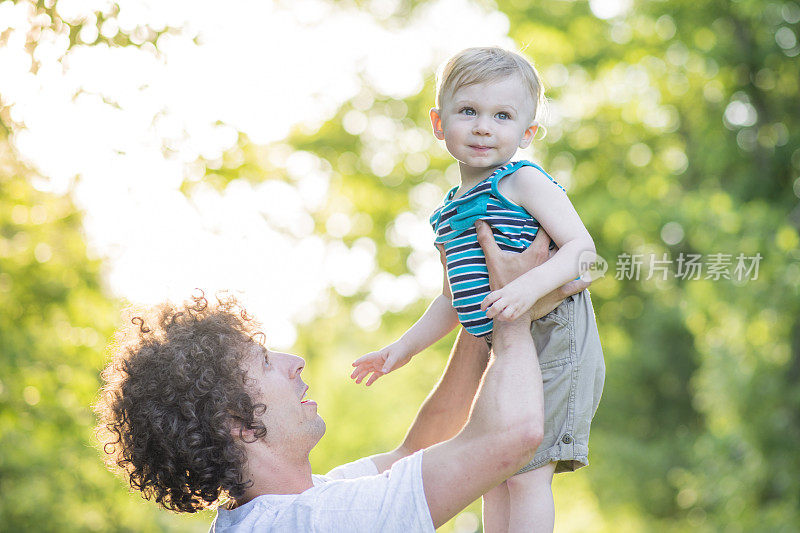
(506, 423)
(503, 431)
(444, 412)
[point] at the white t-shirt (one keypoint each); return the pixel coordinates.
(352, 497)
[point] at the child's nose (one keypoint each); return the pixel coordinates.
(481, 127)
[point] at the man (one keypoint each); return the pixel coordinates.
(194, 410)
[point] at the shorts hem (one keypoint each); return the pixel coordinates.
(569, 457)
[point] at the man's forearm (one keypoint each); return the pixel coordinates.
(510, 401)
(506, 423)
(554, 298)
(503, 431)
(445, 410)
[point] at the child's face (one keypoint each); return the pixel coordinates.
(484, 124)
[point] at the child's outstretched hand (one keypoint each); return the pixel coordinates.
(379, 363)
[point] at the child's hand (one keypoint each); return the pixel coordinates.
(516, 297)
(510, 302)
(379, 363)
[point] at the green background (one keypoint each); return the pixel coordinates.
(699, 425)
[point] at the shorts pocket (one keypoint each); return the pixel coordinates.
(561, 313)
(552, 336)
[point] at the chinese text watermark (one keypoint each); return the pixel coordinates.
(715, 267)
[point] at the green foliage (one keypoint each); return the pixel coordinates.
(701, 395)
(56, 317)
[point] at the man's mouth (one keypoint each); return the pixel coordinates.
(303, 399)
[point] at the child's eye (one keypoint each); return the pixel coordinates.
(503, 115)
(468, 111)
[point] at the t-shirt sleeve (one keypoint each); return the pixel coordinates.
(391, 501)
(360, 468)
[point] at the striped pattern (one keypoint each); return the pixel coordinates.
(453, 222)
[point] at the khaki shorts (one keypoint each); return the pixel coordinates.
(573, 372)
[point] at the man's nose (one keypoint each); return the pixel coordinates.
(296, 365)
(291, 364)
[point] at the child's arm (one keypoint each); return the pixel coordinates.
(439, 319)
(534, 191)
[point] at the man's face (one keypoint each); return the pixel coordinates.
(293, 425)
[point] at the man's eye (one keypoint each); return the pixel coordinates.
(468, 111)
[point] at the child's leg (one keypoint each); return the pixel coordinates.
(496, 509)
(531, 499)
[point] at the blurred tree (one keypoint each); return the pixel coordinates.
(686, 142)
(55, 319)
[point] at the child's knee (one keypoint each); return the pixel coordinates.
(499, 491)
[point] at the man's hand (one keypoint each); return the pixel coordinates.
(504, 267)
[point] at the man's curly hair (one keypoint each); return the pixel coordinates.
(174, 396)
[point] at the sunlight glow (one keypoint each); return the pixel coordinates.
(124, 128)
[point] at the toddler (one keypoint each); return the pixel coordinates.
(486, 107)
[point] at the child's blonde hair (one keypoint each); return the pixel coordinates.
(479, 65)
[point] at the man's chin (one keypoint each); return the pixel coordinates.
(319, 428)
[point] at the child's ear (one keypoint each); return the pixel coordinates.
(527, 137)
(436, 122)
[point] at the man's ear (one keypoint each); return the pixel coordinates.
(436, 122)
(239, 432)
(527, 137)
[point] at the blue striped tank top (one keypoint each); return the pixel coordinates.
(453, 223)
